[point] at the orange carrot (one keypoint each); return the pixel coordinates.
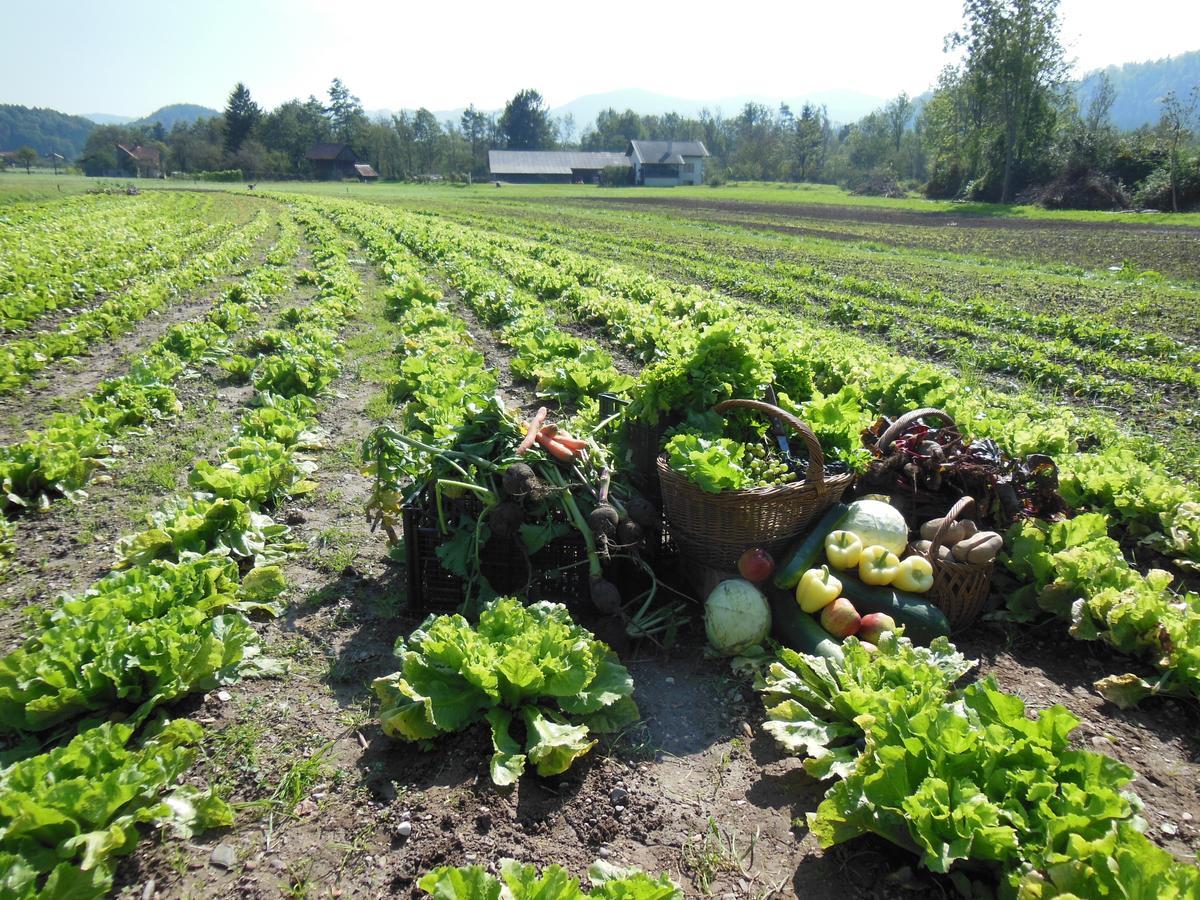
(554, 448)
(532, 431)
(567, 441)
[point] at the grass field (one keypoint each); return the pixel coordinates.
(16, 186)
(189, 382)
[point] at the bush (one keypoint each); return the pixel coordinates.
(1155, 191)
(219, 175)
(616, 176)
(946, 180)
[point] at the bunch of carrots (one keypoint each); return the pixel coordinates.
(550, 438)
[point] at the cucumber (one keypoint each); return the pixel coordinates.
(802, 556)
(793, 627)
(922, 620)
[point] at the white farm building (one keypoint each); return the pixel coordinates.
(653, 163)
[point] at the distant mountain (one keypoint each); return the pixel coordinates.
(176, 112)
(106, 118)
(1140, 87)
(45, 130)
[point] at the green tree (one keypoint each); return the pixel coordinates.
(474, 125)
(27, 156)
(897, 112)
(1175, 128)
(525, 122)
(345, 113)
(426, 134)
(292, 128)
(1014, 64)
(810, 134)
(242, 114)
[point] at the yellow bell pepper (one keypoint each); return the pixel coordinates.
(843, 548)
(817, 589)
(878, 565)
(915, 574)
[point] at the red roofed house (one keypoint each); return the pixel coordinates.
(145, 161)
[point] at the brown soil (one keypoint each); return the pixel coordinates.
(964, 218)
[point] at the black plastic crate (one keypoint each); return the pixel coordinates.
(504, 562)
(640, 447)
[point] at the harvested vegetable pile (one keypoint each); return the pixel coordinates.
(930, 467)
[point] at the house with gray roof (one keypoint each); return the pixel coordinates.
(667, 163)
(568, 167)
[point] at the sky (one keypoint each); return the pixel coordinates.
(132, 57)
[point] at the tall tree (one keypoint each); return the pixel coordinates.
(1175, 127)
(345, 113)
(27, 156)
(474, 125)
(426, 133)
(809, 136)
(1014, 63)
(293, 127)
(897, 112)
(525, 122)
(241, 116)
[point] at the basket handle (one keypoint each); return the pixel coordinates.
(816, 457)
(961, 506)
(885, 439)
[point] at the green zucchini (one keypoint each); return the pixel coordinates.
(802, 556)
(922, 620)
(793, 627)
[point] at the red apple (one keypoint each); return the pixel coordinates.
(873, 625)
(756, 565)
(840, 618)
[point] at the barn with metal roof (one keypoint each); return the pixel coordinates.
(551, 165)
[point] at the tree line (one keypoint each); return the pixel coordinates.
(1002, 124)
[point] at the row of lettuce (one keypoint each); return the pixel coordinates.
(1078, 354)
(91, 755)
(63, 256)
(700, 348)
(25, 356)
(962, 775)
(57, 460)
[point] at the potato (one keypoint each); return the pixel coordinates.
(922, 547)
(954, 533)
(979, 549)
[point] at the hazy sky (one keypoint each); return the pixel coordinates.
(130, 57)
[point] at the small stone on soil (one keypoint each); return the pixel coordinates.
(224, 696)
(224, 855)
(404, 829)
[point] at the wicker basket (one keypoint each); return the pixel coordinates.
(960, 589)
(713, 530)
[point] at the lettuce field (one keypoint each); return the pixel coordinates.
(219, 410)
